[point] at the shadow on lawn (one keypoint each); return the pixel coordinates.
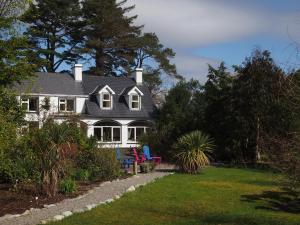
(285, 201)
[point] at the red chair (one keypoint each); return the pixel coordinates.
(138, 158)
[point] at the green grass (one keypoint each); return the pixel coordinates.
(217, 196)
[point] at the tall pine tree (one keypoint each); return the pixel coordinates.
(55, 31)
(110, 36)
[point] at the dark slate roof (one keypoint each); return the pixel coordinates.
(120, 106)
(51, 83)
(64, 84)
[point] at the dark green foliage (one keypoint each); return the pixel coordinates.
(67, 186)
(176, 116)
(240, 112)
(82, 175)
(54, 31)
(150, 49)
(102, 164)
(109, 35)
(14, 63)
(216, 107)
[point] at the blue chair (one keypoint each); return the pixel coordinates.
(125, 161)
(146, 152)
(155, 159)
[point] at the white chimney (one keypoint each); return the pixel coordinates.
(77, 72)
(139, 75)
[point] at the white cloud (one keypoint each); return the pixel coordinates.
(189, 24)
(195, 67)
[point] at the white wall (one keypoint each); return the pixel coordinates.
(80, 104)
(54, 107)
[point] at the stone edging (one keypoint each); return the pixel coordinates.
(86, 208)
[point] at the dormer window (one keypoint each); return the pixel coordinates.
(135, 102)
(106, 101)
(134, 99)
(104, 96)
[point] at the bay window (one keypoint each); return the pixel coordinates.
(108, 132)
(137, 129)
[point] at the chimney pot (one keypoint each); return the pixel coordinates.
(77, 72)
(139, 75)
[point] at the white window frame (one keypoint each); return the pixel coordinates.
(112, 133)
(102, 100)
(66, 105)
(134, 132)
(26, 100)
(138, 101)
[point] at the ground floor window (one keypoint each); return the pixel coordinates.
(108, 131)
(137, 129)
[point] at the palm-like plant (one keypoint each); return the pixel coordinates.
(51, 144)
(192, 151)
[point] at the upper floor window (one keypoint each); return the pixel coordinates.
(30, 104)
(66, 105)
(135, 102)
(106, 101)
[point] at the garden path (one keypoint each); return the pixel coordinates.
(104, 193)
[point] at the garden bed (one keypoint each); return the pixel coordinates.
(17, 202)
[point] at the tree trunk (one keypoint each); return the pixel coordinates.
(100, 63)
(257, 150)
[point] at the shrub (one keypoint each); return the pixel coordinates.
(102, 164)
(50, 145)
(147, 167)
(67, 186)
(192, 151)
(82, 175)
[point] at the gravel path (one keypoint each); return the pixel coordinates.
(106, 192)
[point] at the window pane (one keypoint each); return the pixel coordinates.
(25, 106)
(131, 134)
(62, 107)
(135, 105)
(70, 105)
(107, 134)
(139, 132)
(106, 96)
(117, 134)
(106, 104)
(33, 104)
(135, 97)
(97, 133)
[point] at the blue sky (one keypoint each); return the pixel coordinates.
(211, 31)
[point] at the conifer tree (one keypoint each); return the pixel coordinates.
(54, 31)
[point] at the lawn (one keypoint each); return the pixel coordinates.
(217, 196)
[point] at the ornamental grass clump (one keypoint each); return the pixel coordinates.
(192, 151)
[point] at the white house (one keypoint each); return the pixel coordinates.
(116, 110)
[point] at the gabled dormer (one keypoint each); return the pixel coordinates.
(104, 96)
(133, 95)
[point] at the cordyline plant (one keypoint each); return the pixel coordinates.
(192, 151)
(51, 145)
